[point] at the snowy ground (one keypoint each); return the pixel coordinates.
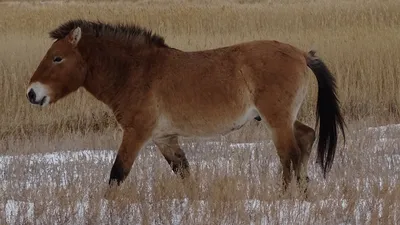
(28, 189)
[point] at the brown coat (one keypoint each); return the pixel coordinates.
(159, 93)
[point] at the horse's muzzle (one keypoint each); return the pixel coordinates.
(37, 97)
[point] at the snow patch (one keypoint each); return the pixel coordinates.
(18, 212)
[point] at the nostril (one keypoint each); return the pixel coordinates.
(32, 95)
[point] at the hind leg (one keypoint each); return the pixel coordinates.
(174, 155)
(288, 151)
(285, 143)
(279, 120)
(305, 137)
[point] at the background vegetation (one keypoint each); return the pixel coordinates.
(359, 40)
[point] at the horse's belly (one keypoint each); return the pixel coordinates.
(205, 126)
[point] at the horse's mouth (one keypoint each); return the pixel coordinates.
(44, 101)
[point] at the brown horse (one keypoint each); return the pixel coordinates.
(159, 93)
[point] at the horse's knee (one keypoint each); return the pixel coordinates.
(127, 153)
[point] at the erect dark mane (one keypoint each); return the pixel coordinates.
(121, 32)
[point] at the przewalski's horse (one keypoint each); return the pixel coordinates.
(159, 93)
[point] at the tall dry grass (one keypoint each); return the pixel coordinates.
(358, 40)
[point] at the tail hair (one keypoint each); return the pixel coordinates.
(328, 115)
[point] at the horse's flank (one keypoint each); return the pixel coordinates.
(158, 92)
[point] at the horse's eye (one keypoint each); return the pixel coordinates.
(57, 59)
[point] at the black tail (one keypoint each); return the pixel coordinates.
(328, 112)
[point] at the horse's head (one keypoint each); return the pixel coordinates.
(61, 71)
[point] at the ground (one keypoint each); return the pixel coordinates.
(233, 183)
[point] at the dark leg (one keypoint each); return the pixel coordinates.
(174, 155)
(131, 144)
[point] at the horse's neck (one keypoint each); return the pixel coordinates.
(108, 74)
(103, 81)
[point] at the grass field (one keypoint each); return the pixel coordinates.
(359, 40)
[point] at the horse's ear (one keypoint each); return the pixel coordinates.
(74, 36)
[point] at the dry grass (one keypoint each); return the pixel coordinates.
(359, 40)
